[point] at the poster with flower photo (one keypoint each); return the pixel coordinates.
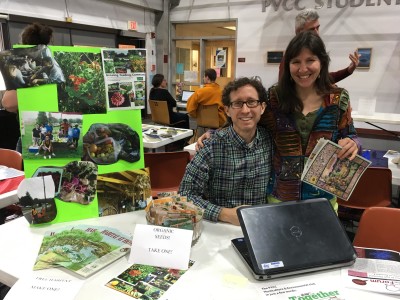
(125, 77)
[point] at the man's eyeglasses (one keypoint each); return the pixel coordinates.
(249, 103)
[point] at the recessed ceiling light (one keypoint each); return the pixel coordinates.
(230, 27)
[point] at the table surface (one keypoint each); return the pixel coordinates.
(181, 104)
(218, 273)
(384, 118)
(159, 141)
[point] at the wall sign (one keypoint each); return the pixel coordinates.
(289, 5)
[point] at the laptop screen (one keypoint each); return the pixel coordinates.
(186, 95)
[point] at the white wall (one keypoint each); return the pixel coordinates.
(342, 29)
(109, 14)
(102, 13)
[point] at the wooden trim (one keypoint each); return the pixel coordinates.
(377, 134)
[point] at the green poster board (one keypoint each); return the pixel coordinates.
(80, 86)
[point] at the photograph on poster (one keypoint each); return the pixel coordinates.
(84, 90)
(28, 67)
(274, 57)
(365, 58)
(47, 135)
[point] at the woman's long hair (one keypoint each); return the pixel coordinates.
(289, 101)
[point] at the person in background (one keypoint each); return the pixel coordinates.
(49, 127)
(159, 92)
(47, 147)
(76, 132)
(43, 132)
(16, 76)
(208, 95)
(233, 168)
(49, 73)
(69, 137)
(308, 20)
(36, 135)
(33, 34)
(64, 127)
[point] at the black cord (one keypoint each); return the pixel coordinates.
(388, 131)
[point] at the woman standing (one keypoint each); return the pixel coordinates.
(304, 107)
(33, 34)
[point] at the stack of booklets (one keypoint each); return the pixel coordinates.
(83, 249)
(175, 211)
(327, 172)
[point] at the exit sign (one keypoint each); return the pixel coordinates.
(132, 25)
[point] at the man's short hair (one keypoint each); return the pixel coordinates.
(241, 82)
(211, 74)
(305, 16)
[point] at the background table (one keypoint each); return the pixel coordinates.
(217, 274)
(181, 106)
(156, 142)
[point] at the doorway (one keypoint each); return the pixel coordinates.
(199, 46)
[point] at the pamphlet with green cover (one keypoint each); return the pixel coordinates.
(145, 282)
(83, 249)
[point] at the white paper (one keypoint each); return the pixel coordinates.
(6, 173)
(190, 76)
(37, 287)
(375, 270)
(392, 154)
(161, 246)
(327, 289)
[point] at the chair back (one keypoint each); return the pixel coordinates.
(11, 158)
(207, 116)
(159, 112)
(378, 228)
(373, 189)
(166, 170)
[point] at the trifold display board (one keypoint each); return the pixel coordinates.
(80, 129)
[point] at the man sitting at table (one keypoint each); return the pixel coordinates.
(233, 167)
(208, 95)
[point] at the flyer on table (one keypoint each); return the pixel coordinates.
(305, 290)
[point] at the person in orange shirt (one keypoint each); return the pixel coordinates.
(210, 94)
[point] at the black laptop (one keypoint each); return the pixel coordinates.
(291, 238)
